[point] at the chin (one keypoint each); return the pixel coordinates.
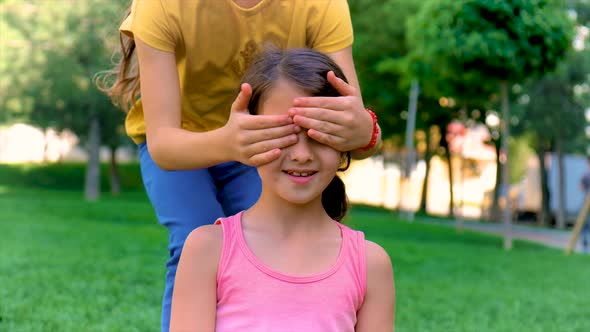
(300, 200)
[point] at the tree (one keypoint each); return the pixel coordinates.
(551, 110)
(380, 35)
(498, 41)
(68, 43)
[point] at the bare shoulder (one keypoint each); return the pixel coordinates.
(204, 241)
(195, 281)
(378, 260)
(378, 310)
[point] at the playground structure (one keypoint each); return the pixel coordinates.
(527, 193)
(582, 217)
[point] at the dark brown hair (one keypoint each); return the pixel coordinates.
(308, 70)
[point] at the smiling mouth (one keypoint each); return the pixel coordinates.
(300, 174)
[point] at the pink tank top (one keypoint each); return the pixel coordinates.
(252, 297)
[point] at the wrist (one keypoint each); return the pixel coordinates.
(219, 139)
(374, 132)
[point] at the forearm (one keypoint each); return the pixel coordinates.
(179, 149)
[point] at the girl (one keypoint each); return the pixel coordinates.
(196, 151)
(286, 264)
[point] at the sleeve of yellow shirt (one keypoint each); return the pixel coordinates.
(331, 30)
(149, 22)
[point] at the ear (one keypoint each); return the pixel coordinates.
(344, 161)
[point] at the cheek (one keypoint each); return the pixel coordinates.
(268, 170)
(332, 159)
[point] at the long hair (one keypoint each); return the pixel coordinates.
(308, 70)
(121, 83)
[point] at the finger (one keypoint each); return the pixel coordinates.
(268, 145)
(333, 103)
(267, 134)
(339, 103)
(264, 158)
(331, 140)
(319, 125)
(243, 98)
(321, 114)
(340, 85)
(254, 122)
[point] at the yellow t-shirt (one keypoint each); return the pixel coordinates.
(215, 40)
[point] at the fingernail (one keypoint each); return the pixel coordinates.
(296, 128)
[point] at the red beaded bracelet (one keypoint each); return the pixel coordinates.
(375, 133)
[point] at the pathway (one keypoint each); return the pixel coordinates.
(547, 236)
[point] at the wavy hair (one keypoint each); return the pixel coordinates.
(121, 83)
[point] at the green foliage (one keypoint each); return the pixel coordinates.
(66, 176)
(473, 41)
(382, 61)
(552, 110)
(582, 10)
(50, 54)
(380, 36)
(67, 265)
(520, 149)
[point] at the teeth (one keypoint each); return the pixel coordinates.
(299, 173)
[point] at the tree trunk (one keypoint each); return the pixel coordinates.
(114, 177)
(45, 144)
(560, 186)
(495, 214)
(427, 158)
(459, 219)
(543, 215)
(445, 144)
(410, 129)
(92, 183)
(451, 192)
(507, 213)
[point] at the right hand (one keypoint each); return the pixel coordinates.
(256, 140)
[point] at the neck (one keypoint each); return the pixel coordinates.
(246, 3)
(285, 217)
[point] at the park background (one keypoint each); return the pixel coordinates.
(497, 89)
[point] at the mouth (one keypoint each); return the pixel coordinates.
(300, 174)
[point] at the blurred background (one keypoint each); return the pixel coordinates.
(484, 107)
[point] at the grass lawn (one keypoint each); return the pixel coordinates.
(68, 265)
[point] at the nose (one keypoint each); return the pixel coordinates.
(301, 151)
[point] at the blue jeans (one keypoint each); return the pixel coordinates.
(185, 200)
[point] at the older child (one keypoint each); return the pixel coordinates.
(186, 57)
(287, 263)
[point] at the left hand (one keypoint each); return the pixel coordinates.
(340, 122)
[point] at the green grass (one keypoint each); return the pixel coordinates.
(69, 265)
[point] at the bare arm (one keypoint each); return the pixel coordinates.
(194, 301)
(340, 122)
(378, 311)
(253, 140)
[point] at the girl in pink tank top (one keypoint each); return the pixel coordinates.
(287, 263)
